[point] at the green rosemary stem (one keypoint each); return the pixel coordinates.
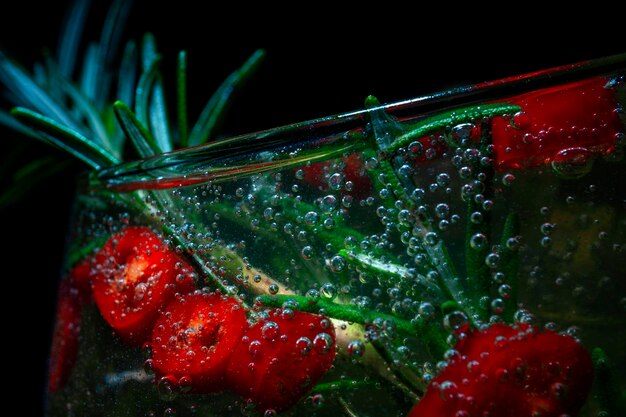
(344, 312)
(150, 202)
(438, 256)
(509, 262)
(394, 183)
(478, 228)
(181, 90)
(406, 375)
(605, 386)
(353, 314)
(445, 120)
(342, 385)
(387, 269)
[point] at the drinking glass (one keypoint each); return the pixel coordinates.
(457, 254)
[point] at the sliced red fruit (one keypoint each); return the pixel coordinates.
(65, 337)
(582, 115)
(281, 358)
(507, 371)
(135, 275)
(194, 339)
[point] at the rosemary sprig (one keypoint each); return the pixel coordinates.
(213, 112)
(443, 121)
(181, 90)
(66, 138)
(140, 137)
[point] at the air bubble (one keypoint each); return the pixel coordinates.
(323, 343)
(478, 241)
(508, 179)
(166, 388)
(448, 391)
(270, 331)
(312, 296)
(311, 218)
(337, 263)
(405, 170)
(455, 321)
(328, 291)
(497, 305)
(431, 238)
(336, 181)
(443, 179)
(140, 291)
(328, 204)
(303, 345)
(572, 163)
(442, 210)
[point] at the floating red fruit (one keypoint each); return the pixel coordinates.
(322, 175)
(582, 116)
(281, 358)
(135, 275)
(507, 371)
(65, 337)
(194, 339)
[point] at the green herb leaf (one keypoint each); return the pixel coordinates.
(71, 36)
(144, 87)
(509, 261)
(135, 130)
(65, 138)
(152, 93)
(10, 122)
(28, 93)
(218, 104)
(110, 39)
(605, 386)
(83, 105)
(446, 120)
(182, 99)
(126, 82)
(89, 72)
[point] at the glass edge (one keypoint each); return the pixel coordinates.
(339, 124)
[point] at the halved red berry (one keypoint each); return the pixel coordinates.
(509, 371)
(135, 275)
(194, 339)
(281, 358)
(65, 336)
(579, 118)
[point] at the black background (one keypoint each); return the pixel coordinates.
(319, 62)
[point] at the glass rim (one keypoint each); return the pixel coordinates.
(251, 153)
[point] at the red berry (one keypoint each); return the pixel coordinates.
(281, 358)
(65, 336)
(135, 275)
(80, 279)
(194, 339)
(552, 120)
(509, 371)
(320, 175)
